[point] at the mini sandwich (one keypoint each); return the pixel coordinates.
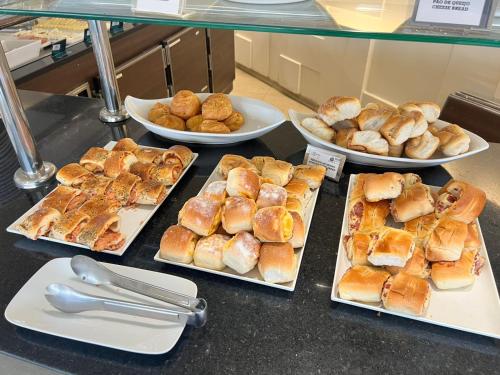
(363, 283)
(388, 185)
(367, 216)
(391, 247)
(417, 265)
(97, 185)
(406, 294)
(458, 274)
(356, 247)
(460, 201)
(179, 152)
(413, 202)
(39, 223)
(446, 241)
(73, 174)
(118, 162)
(64, 199)
(101, 233)
(94, 159)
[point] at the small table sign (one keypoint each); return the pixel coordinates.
(332, 161)
(454, 12)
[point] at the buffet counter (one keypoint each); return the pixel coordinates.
(251, 328)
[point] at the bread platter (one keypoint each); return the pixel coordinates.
(259, 119)
(254, 274)
(469, 303)
(128, 220)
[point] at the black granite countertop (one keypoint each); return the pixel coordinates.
(252, 329)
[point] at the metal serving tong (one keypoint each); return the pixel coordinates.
(67, 299)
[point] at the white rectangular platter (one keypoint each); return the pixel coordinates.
(254, 276)
(30, 309)
(132, 219)
(474, 309)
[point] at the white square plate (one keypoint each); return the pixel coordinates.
(254, 276)
(29, 309)
(132, 219)
(474, 309)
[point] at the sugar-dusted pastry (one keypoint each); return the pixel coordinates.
(149, 155)
(298, 232)
(167, 173)
(201, 215)
(279, 171)
(69, 226)
(39, 223)
(148, 192)
(277, 262)
(96, 185)
(158, 110)
(241, 252)
(271, 195)
(73, 174)
(64, 198)
(94, 159)
(213, 126)
(258, 161)
(185, 104)
(229, 162)
(193, 123)
(209, 250)
(299, 189)
(126, 144)
(235, 121)
(273, 224)
(179, 152)
(171, 122)
(237, 214)
(313, 175)
(338, 108)
(243, 182)
(216, 191)
(118, 162)
(122, 187)
(217, 107)
(99, 204)
(101, 233)
(178, 244)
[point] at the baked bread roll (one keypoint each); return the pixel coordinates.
(216, 107)
(367, 216)
(411, 179)
(421, 228)
(319, 128)
(430, 110)
(241, 252)
(279, 171)
(273, 224)
(122, 187)
(235, 121)
(178, 244)
(208, 252)
(179, 152)
(213, 126)
(64, 198)
(216, 191)
(421, 124)
(338, 108)
(295, 205)
(271, 195)
(356, 247)
(396, 151)
(277, 262)
(185, 104)
(472, 241)
(299, 189)
(69, 226)
(446, 241)
(143, 169)
(148, 192)
(94, 159)
(118, 162)
(101, 233)
(149, 155)
(460, 201)
(346, 124)
(99, 204)
(453, 140)
(387, 185)
(73, 174)
(373, 116)
(422, 147)
(237, 214)
(168, 173)
(344, 136)
(362, 283)
(369, 141)
(298, 232)
(201, 215)
(358, 187)
(413, 202)
(258, 161)
(229, 162)
(171, 122)
(458, 274)
(417, 265)
(406, 294)
(193, 123)
(243, 182)
(157, 110)
(97, 185)
(433, 129)
(391, 247)
(39, 223)
(397, 129)
(313, 175)
(126, 144)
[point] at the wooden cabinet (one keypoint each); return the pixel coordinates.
(221, 64)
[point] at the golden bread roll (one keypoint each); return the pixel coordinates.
(118, 162)
(388, 185)
(241, 252)
(356, 248)
(217, 107)
(271, 195)
(171, 122)
(344, 136)
(319, 128)
(362, 283)
(446, 241)
(339, 108)
(69, 226)
(417, 265)
(213, 126)
(406, 294)
(397, 150)
(397, 129)
(460, 201)
(298, 232)
(235, 121)
(149, 155)
(277, 262)
(99, 204)
(143, 169)
(358, 188)
(158, 110)
(313, 175)
(420, 126)
(39, 223)
(229, 162)
(201, 215)
(369, 141)
(279, 171)
(216, 191)
(367, 216)
(73, 174)
(209, 250)
(391, 247)
(413, 202)
(422, 147)
(243, 182)
(64, 198)
(122, 187)
(453, 140)
(421, 228)
(178, 244)
(258, 161)
(372, 117)
(193, 123)
(472, 241)
(101, 233)
(168, 173)
(237, 214)
(126, 144)
(273, 224)
(299, 189)
(295, 205)
(97, 185)
(94, 159)
(458, 274)
(182, 153)
(185, 104)
(431, 111)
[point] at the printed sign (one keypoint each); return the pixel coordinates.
(332, 161)
(456, 12)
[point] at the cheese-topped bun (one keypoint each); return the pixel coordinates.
(278, 171)
(277, 262)
(298, 232)
(362, 283)
(388, 185)
(241, 252)
(201, 215)
(229, 162)
(417, 265)
(391, 247)
(406, 294)
(458, 274)
(271, 195)
(273, 224)
(237, 214)
(243, 182)
(446, 241)
(178, 244)
(460, 201)
(208, 252)
(313, 175)
(338, 108)
(217, 107)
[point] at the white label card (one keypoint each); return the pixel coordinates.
(332, 161)
(457, 12)
(171, 7)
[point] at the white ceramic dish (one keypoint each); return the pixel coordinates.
(254, 276)
(477, 145)
(132, 219)
(260, 118)
(29, 309)
(474, 309)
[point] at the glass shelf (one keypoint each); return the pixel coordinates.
(372, 19)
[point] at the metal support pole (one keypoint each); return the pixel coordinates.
(33, 172)
(114, 111)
